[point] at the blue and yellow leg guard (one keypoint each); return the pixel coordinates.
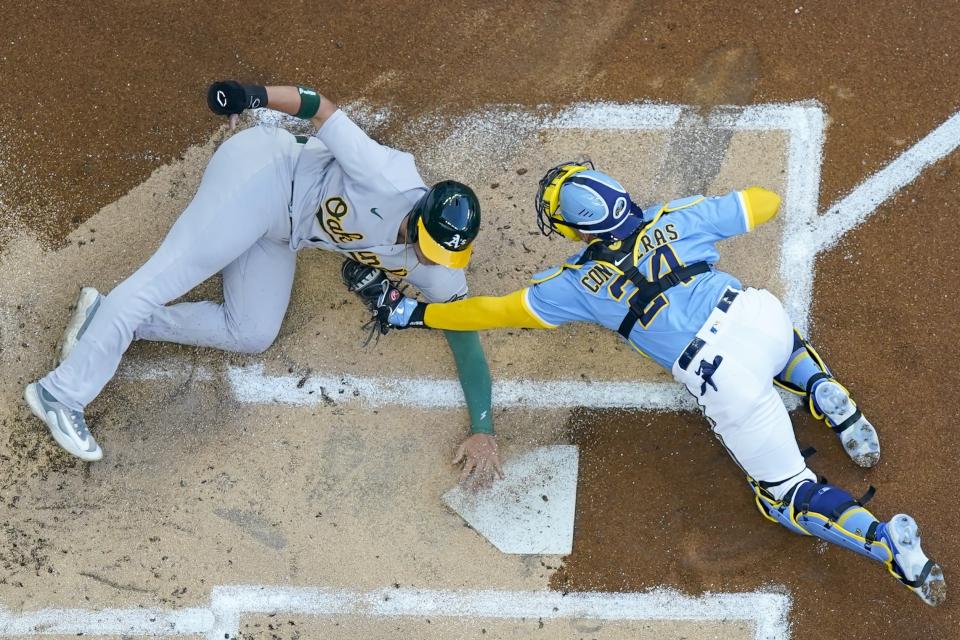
(807, 375)
(805, 371)
(829, 513)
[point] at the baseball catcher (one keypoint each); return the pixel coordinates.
(650, 276)
(266, 194)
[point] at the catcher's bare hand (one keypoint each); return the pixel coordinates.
(480, 460)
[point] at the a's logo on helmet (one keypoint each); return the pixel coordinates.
(619, 208)
(456, 242)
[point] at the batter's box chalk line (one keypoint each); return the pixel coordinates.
(806, 233)
(767, 611)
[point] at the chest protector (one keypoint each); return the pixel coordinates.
(647, 290)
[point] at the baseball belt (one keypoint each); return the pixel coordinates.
(695, 345)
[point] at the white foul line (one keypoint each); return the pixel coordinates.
(767, 611)
(853, 209)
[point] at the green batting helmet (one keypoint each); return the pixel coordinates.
(445, 222)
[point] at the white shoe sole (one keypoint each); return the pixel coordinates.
(911, 559)
(861, 443)
(87, 298)
(859, 440)
(36, 407)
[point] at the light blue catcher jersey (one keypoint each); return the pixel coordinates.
(683, 232)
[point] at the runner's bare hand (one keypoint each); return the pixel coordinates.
(481, 464)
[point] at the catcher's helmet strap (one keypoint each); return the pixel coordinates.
(548, 198)
(551, 192)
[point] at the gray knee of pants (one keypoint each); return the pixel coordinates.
(256, 342)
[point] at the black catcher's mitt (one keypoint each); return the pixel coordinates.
(368, 283)
(363, 280)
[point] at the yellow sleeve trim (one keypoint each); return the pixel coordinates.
(543, 276)
(525, 299)
(681, 203)
(484, 312)
(759, 205)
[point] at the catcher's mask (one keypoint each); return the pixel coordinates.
(574, 195)
(445, 222)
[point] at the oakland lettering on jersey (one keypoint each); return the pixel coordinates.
(334, 210)
(371, 259)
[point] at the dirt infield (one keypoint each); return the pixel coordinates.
(97, 96)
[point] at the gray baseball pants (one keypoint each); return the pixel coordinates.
(237, 224)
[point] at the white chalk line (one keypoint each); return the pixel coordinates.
(250, 385)
(108, 622)
(611, 115)
(767, 611)
(856, 207)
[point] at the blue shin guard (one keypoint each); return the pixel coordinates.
(829, 513)
(804, 371)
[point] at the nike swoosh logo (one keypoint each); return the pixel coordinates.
(373, 210)
(621, 259)
(63, 418)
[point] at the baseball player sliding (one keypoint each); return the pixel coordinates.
(650, 277)
(266, 194)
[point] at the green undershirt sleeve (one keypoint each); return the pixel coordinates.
(474, 374)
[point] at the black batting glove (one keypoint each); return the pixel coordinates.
(229, 97)
(397, 311)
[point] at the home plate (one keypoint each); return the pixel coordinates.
(531, 510)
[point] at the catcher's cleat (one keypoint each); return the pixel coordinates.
(857, 435)
(85, 308)
(910, 565)
(67, 427)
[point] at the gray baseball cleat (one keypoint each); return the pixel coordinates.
(66, 426)
(910, 564)
(857, 435)
(86, 306)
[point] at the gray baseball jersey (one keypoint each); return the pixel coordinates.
(350, 195)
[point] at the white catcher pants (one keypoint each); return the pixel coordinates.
(754, 338)
(236, 223)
